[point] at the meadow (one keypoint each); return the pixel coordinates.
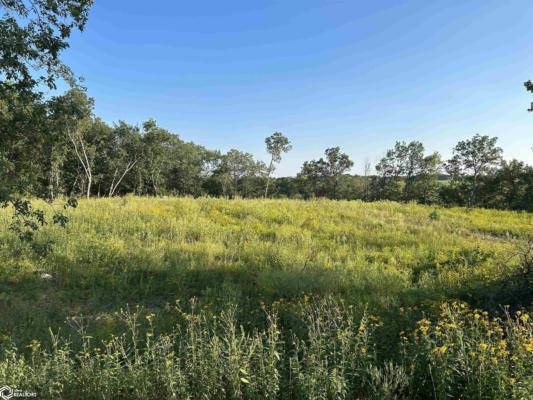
(209, 298)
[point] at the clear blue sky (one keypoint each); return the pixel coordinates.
(357, 74)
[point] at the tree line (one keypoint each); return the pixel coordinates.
(58, 147)
(52, 147)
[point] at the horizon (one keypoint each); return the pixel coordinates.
(357, 76)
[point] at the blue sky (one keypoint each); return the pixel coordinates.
(355, 74)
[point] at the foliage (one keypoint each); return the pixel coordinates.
(405, 174)
(327, 173)
(529, 88)
(471, 160)
(32, 36)
(275, 144)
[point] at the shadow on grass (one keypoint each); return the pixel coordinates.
(30, 305)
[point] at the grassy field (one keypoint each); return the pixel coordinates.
(215, 299)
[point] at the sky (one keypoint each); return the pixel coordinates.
(356, 74)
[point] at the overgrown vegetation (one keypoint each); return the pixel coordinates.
(211, 298)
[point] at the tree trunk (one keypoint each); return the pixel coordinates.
(473, 194)
(89, 183)
(268, 176)
(83, 160)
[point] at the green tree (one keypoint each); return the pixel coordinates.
(427, 184)
(189, 168)
(72, 113)
(472, 159)
(124, 153)
(310, 178)
(398, 167)
(335, 165)
(237, 173)
(27, 142)
(275, 144)
(510, 187)
(32, 36)
(158, 143)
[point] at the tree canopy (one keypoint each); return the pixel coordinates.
(33, 34)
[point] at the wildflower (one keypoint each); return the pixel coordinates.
(524, 317)
(363, 350)
(482, 346)
(440, 350)
(494, 360)
(512, 380)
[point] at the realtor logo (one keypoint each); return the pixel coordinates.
(6, 393)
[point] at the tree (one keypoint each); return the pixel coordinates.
(310, 178)
(27, 142)
(471, 160)
(510, 187)
(335, 165)
(72, 113)
(157, 148)
(32, 36)
(403, 161)
(189, 168)
(427, 178)
(275, 144)
(413, 162)
(237, 171)
(125, 153)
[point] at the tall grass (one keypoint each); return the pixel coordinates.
(460, 354)
(293, 299)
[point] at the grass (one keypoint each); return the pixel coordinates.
(210, 298)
